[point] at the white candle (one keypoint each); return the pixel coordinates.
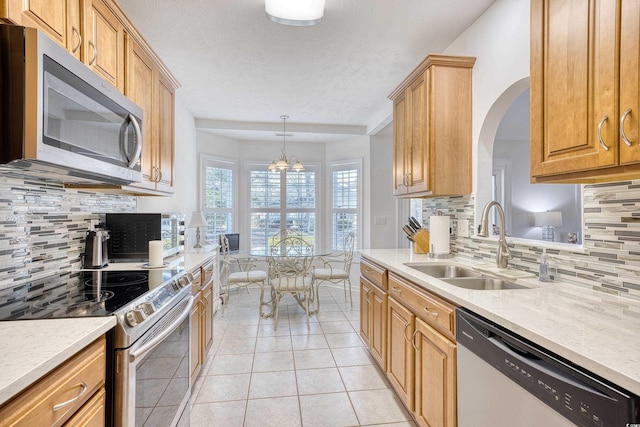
(155, 253)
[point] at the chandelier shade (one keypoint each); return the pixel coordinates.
(282, 163)
(295, 12)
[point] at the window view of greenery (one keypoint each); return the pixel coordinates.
(284, 195)
(344, 215)
(218, 199)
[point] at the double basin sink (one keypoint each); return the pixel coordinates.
(464, 277)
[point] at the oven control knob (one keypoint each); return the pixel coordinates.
(183, 281)
(147, 308)
(134, 317)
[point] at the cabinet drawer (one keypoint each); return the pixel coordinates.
(92, 414)
(376, 274)
(65, 384)
(429, 307)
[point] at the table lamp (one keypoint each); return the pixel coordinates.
(548, 221)
(198, 220)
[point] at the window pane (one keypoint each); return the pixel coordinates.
(342, 225)
(302, 222)
(219, 223)
(218, 188)
(265, 189)
(345, 189)
(264, 225)
(301, 189)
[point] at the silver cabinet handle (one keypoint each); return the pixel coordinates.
(604, 119)
(397, 290)
(159, 174)
(413, 340)
(431, 313)
(622, 134)
(95, 53)
(405, 331)
(83, 390)
(76, 32)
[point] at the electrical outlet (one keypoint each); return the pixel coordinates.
(463, 228)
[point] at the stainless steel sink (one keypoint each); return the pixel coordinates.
(444, 271)
(483, 283)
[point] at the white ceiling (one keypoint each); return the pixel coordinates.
(240, 72)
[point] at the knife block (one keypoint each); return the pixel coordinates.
(421, 242)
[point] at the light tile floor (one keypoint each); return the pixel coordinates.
(257, 376)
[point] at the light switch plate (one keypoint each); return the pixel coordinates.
(463, 228)
(380, 220)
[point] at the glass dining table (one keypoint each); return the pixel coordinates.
(267, 296)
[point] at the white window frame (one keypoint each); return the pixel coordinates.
(247, 167)
(207, 160)
(338, 166)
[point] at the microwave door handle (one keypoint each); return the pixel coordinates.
(137, 140)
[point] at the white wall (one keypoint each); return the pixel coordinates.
(184, 198)
(499, 39)
(383, 204)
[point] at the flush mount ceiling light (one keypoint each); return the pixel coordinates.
(295, 12)
(282, 164)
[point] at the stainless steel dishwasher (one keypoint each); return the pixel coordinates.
(505, 380)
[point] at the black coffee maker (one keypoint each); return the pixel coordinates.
(96, 253)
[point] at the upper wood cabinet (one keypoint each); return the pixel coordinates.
(99, 34)
(104, 42)
(432, 129)
(584, 90)
(59, 19)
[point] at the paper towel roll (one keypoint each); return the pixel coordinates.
(155, 253)
(439, 234)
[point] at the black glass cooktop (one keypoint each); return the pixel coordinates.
(79, 294)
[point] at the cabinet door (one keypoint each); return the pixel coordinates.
(435, 378)
(104, 45)
(195, 339)
(400, 352)
(207, 319)
(365, 311)
(418, 145)
(140, 89)
(630, 81)
(48, 15)
(164, 140)
(573, 79)
(400, 146)
(378, 338)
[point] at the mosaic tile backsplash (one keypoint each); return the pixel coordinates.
(43, 227)
(610, 257)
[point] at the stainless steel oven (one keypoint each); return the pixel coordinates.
(148, 372)
(152, 385)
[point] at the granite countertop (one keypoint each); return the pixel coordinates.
(597, 331)
(32, 348)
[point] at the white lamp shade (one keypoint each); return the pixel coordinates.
(548, 218)
(295, 12)
(198, 220)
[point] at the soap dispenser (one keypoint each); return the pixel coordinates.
(544, 267)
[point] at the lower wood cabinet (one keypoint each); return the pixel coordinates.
(203, 289)
(373, 310)
(419, 350)
(400, 352)
(73, 393)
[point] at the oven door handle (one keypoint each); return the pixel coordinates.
(140, 352)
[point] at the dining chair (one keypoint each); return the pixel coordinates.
(289, 261)
(240, 272)
(336, 269)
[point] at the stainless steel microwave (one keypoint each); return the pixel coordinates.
(60, 118)
(130, 234)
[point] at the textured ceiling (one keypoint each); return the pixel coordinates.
(239, 71)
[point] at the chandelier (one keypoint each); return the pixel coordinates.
(282, 164)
